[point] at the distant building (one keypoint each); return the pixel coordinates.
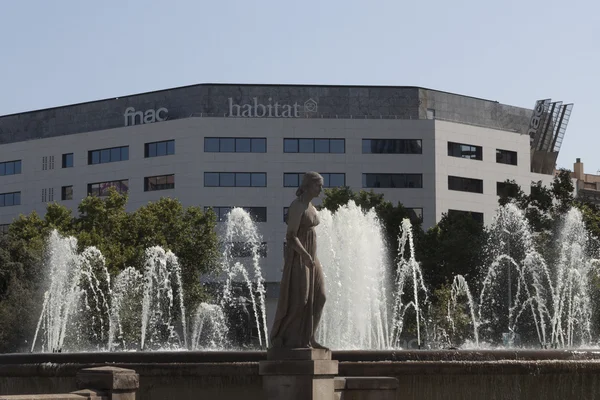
(587, 186)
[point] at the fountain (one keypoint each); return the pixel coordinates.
(530, 304)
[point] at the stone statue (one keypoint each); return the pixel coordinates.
(302, 291)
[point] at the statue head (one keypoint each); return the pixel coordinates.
(312, 184)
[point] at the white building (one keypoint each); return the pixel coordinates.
(247, 145)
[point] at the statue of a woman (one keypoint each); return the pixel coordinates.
(302, 291)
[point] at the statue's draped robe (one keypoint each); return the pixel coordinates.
(301, 294)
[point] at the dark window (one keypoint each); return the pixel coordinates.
(159, 149)
(465, 184)
(10, 199)
(112, 154)
(66, 193)
(244, 249)
(10, 168)
(293, 179)
(465, 151)
(231, 179)
(67, 160)
(506, 157)
(392, 146)
(477, 216)
(393, 181)
(507, 189)
(161, 182)
(101, 188)
(314, 145)
(415, 215)
(4, 228)
(235, 145)
(258, 214)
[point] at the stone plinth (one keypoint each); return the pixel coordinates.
(298, 374)
(366, 388)
(118, 383)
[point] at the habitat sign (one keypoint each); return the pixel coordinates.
(255, 109)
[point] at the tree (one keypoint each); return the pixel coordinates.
(455, 246)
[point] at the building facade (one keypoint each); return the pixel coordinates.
(247, 145)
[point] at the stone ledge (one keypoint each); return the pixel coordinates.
(298, 354)
(108, 378)
(298, 367)
(365, 383)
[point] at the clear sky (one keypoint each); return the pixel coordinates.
(57, 52)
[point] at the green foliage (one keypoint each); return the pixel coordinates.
(454, 246)
(122, 238)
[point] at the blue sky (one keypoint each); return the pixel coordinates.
(516, 52)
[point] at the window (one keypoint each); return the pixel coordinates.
(101, 188)
(44, 195)
(506, 157)
(392, 146)
(235, 179)
(10, 168)
(465, 151)
(465, 184)
(159, 149)
(477, 216)
(314, 145)
(392, 180)
(161, 182)
(44, 163)
(415, 215)
(51, 162)
(235, 145)
(258, 214)
(10, 199)
(67, 160)
(4, 228)
(293, 179)
(112, 154)
(66, 193)
(51, 194)
(244, 249)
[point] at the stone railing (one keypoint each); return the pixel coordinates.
(100, 383)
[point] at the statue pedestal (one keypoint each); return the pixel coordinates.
(298, 374)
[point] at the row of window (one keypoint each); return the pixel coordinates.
(473, 152)
(10, 167)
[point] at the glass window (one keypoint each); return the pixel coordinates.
(290, 145)
(9, 199)
(291, 180)
(115, 154)
(506, 157)
(243, 145)
(66, 193)
(259, 179)
(412, 181)
(161, 149)
(465, 151)
(171, 147)
(337, 180)
(211, 145)
(306, 145)
(10, 168)
(242, 179)
(465, 184)
(211, 179)
(125, 153)
(477, 216)
(337, 146)
(105, 155)
(67, 160)
(95, 157)
(259, 145)
(227, 145)
(151, 150)
(227, 179)
(18, 167)
(321, 145)
(415, 215)
(2, 169)
(258, 214)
